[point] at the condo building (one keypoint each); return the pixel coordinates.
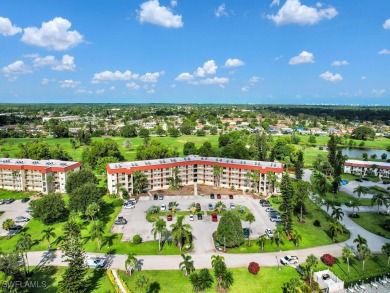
(370, 168)
(195, 169)
(35, 175)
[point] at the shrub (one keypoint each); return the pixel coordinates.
(317, 223)
(137, 239)
(386, 224)
(354, 215)
(328, 259)
(118, 202)
(153, 210)
(253, 268)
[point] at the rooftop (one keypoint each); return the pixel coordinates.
(39, 163)
(359, 162)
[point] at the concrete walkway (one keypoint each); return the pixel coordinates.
(118, 281)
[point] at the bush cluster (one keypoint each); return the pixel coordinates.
(253, 268)
(137, 239)
(317, 223)
(328, 259)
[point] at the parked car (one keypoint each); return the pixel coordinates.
(231, 196)
(263, 201)
(212, 196)
(211, 206)
(21, 219)
(266, 205)
(9, 200)
(2, 202)
(161, 197)
(241, 209)
(270, 210)
(359, 180)
(96, 262)
(132, 201)
(155, 196)
(289, 260)
(129, 206)
(163, 207)
(269, 233)
(120, 221)
(29, 210)
(232, 206)
(246, 232)
(25, 199)
(214, 217)
(366, 179)
(191, 217)
(15, 230)
(169, 218)
(275, 218)
(200, 217)
(218, 196)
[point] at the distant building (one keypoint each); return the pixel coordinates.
(32, 175)
(192, 169)
(62, 118)
(363, 168)
(286, 130)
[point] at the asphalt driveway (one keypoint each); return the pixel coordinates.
(11, 211)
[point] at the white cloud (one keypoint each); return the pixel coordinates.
(245, 88)
(339, 63)
(173, 3)
(185, 76)
(45, 81)
(151, 77)
(209, 67)
(275, 3)
(53, 35)
(378, 92)
(386, 24)
(253, 80)
(303, 57)
(44, 61)
(363, 77)
(7, 28)
(234, 63)
(384, 52)
(16, 68)
(221, 11)
(132, 85)
(100, 92)
(294, 12)
(116, 75)
(151, 91)
(152, 12)
(329, 76)
(83, 91)
(69, 83)
(66, 64)
(214, 80)
(112, 88)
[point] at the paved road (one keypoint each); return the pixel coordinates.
(350, 187)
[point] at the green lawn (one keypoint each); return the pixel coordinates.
(97, 280)
(311, 235)
(310, 154)
(154, 217)
(343, 198)
(373, 223)
(269, 279)
(241, 215)
(4, 194)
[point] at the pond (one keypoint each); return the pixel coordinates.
(358, 153)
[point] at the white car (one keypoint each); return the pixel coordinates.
(163, 207)
(191, 217)
(96, 262)
(129, 206)
(21, 219)
(232, 206)
(289, 260)
(269, 233)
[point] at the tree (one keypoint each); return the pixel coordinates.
(49, 233)
(386, 250)
(103, 162)
(364, 253)
(298, 164)
(272, 179)
(189, 148)
(223, 276)
(261, 241)
(187, 264)
(143, 132)
(131, 263)
(202, 280)
(174, 132)
(384, 156)
(97, 232)
(49, 209)
(295, 285)
(84, 137)
(81, 197)
(363, 133)
(217, 171)
(8, 224)
(215, 259)
(347, 254)
(278, 235)
(302, 189)
(355, 205)
(229, 230)
(337, 213)
(155, 150)
(142, 283)
(175, 180)
(360, 190)
(73, 279)
(22, 246)
(128, 131)
(160, 131)
(181, 232)
(312, 139)
(312, 262)
(381, 199)
(335, 229)
(127, 144)
(360, 242)
(205, 150)
(101, 149)
(73, 143)
(220, 206)
(249, 218)
(79, 178)
(261, 146)
(296, 238)
(140, 181)
(92, 210)
(286, 205)
(159, 227)
(332, 150)
(256, 178)
(321, 183)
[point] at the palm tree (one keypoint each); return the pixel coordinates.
(181, 231)
(380, 199)
(293, 286)
(187, 264)
(22, 246)
(360, 190)
(140, 181)
(321, 183)
(8, 224)
(272, 178)
(335, 229)
(220, 206)
(364, 253)
(217, 170)
(97, 232)
(386, 250)
(337, 214)
(49, 233)
(261, 241)
(249, 218)
(248, 178)
(131, 263)
(202, 280)
(354, 205)
(302, 193)
(277, 234)
(159, 227)
(216, 259)
(347, 254)
(360, 242)
(296, 238)
(328, 205)
(312, 262)
(256, 179)
(175, 180)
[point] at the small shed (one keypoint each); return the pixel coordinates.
(328, 281)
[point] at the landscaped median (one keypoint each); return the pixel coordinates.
(378, 224)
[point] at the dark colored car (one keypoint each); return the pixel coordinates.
(359, 180)
(169, 218)
(155, 197)
(25, 199)
(211, 206)
(366, 179)
(218, 196)
(120, 221)
(263, 201)
(200, 217)
(212, 196)
(214, 217)
(231, 196)
(15, 230)
(266, 205)
(10, 200)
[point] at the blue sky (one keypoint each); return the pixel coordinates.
(287, 51)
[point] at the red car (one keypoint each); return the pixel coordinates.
(230, 196)
(169, 218)
(214, 217)
(218, 196)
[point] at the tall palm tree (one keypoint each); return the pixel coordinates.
(335, 229)
(256, 179)
(160, 228)
(386, 250)
(249, 218)
(380, 199)
(296, 238)
(49, 233)
(261, 241)
(360, 242)
(181, 231)
(364, 253)
(248, 178)
(278, 232)
(328, 205)
(22, 246)
(216, 259)
(187, 264)
(312, 262)
(217, 170)
(7, 224)
(131, 263)
(321, 183)
(140, 181)
(354, 205)
(337, 214)
(347, 254)
(360, 190)
(97, 232)
(272, 178)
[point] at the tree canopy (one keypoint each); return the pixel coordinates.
(229, 230)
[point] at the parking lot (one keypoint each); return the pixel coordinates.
(201, 229)
(350, 187)
(11, 211)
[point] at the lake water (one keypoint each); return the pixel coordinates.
(358, 153)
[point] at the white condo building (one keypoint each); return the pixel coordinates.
(363, 168)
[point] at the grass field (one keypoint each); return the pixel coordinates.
(4, 194)
(373, 223)
(343, 198)
(269, 279)
(97, 280)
